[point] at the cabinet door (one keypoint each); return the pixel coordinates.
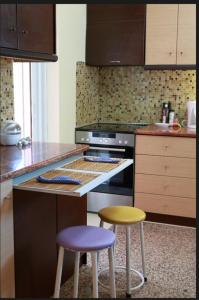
(161, 34)
(36, 27)
(186, 44)
(8, 28)
(115, 35)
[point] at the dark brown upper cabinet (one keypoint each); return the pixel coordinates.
(115, 34)
(27, 31)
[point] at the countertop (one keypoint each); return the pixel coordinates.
(15, 162)
(166, 131)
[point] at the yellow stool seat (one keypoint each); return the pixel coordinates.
(122, 215)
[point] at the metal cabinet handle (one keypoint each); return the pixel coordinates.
(115, 61)
(165, 186)
(166, 167)
(12, 28)
(24, 31)
(107, 149)
(170, 53)
(166, 147)
(181, 52)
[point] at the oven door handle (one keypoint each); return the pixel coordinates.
(108, 149)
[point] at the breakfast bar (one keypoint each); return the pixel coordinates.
(32, 213)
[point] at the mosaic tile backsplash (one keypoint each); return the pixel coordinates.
(6, 90)
(131, 94)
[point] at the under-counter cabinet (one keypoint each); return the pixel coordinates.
(170, 34)
(28, 31)
(165, 175)
(115, 34)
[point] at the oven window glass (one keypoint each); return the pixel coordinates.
(122, 182)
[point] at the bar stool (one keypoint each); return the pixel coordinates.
(85, 239)
(126, 216)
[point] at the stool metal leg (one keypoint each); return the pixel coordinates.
(76, 275)
(101, 225)
(128, 263)
(142, 250)
(95, 274)
(59, 272)
(115, 231)
(112, 272)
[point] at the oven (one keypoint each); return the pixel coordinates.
(118, 190)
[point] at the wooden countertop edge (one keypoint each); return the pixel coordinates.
(158, 131)
(41, 164)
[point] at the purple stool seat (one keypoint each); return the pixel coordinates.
(85, 238)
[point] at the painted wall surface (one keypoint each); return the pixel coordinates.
(6, 90)
(71, 36)
(131, 94)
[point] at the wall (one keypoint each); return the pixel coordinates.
(132, 94)
(6, 90)
(71, 34)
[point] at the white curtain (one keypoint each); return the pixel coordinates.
(39, 102)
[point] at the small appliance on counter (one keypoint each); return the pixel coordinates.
(191, 114)
(10, 133)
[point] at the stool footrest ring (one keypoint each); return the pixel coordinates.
(123, 268)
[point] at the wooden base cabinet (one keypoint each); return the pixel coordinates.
(38, 217)
(165, 178)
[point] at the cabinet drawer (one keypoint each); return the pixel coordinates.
(161, 204)
(165, 185)
(166, 146)
(163, 165)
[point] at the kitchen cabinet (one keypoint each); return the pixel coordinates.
(165, 175)
(38, 217)
(170, 34)
(8, 25)
(28, 31)
(115, 34)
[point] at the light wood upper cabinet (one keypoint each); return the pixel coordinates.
(170, 34)
(186, 42)
(161, 33)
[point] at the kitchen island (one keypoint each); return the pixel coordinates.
(16, 162)
(32, 213)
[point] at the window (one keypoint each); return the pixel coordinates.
(30, 101)
(22, 97)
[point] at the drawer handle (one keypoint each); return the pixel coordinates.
(165, 186)
(166, 147)
(166, 167)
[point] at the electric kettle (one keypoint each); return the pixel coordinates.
(191, 114)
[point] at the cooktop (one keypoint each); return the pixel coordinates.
(112, 127)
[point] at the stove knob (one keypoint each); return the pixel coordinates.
(87, 140)
(120, 141)
(125, 142)
(100, 141)
(82, 139)
(105, 141)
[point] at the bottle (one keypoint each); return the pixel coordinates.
(171, 117)
(165, 112)
(169, 109)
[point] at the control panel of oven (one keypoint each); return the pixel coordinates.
(104, 138)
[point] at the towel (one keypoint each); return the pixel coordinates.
(102, 159)
(58, 179)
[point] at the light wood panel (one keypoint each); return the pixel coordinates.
(161, 34)
(7, 282)
(186, 42)
(163, 165)
(165, 185)
(166, 146)
(162, 204)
